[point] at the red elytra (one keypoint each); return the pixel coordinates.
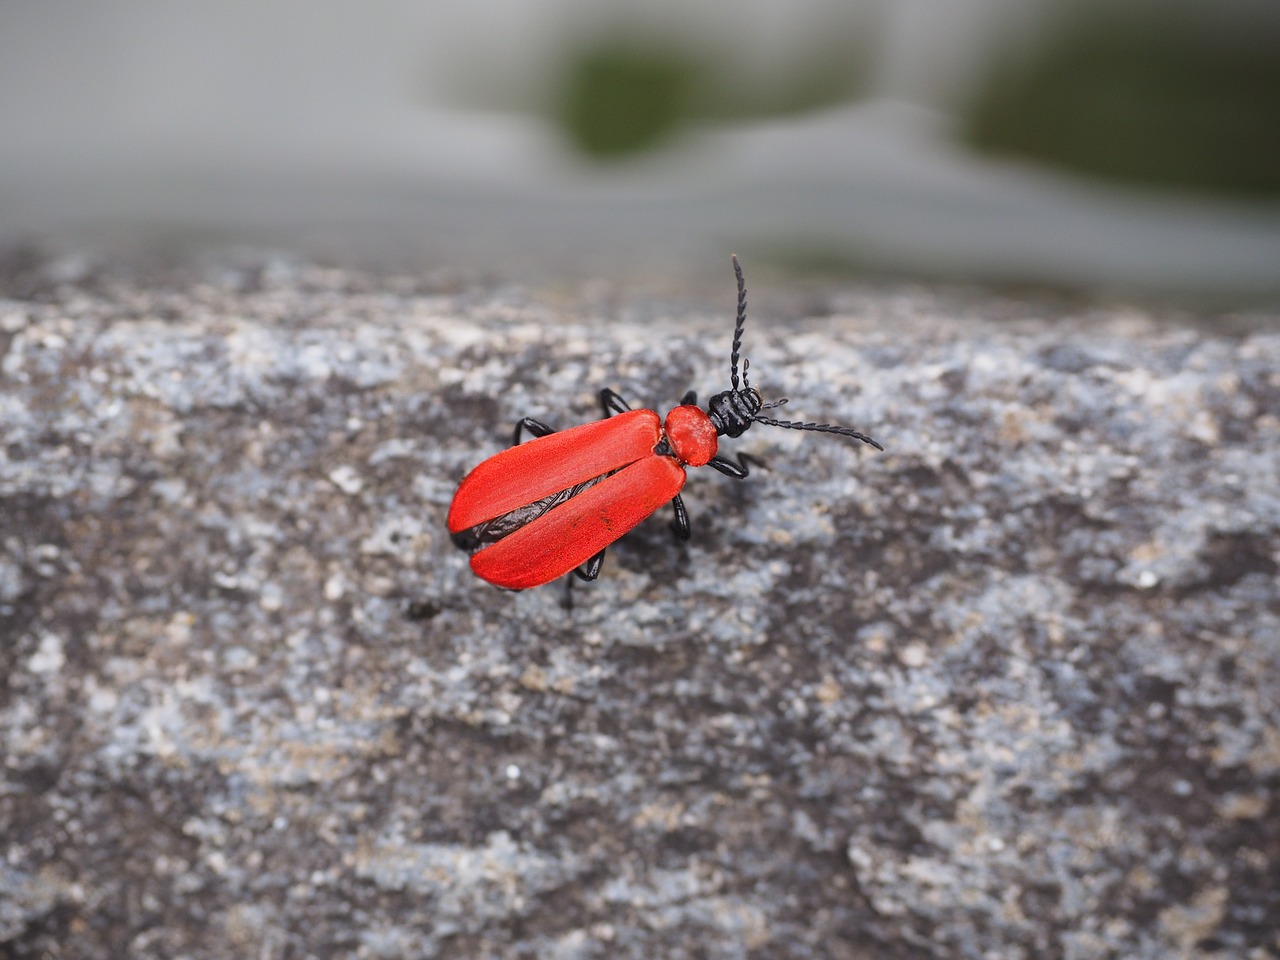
(541, 509)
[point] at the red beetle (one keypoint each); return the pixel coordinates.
(553, 505)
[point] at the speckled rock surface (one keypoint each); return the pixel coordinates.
(1009, 690)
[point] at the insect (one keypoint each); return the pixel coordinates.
(541, 509)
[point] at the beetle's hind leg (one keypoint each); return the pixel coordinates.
(739, 469)
(611, 402)
(588, 572)
(535, 428)
(591, 569)
(680, 525)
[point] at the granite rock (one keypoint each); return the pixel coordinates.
(1009, 689)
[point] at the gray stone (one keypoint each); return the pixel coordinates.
(1009, 689)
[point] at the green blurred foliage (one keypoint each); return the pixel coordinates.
(622, 95)
(1168, 95)
(622, 100)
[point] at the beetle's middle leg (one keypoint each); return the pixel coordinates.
(680, 524)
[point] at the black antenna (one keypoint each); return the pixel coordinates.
(734, 410)
(818, 428)
(742, 321)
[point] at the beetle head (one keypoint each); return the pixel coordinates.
(737, 408)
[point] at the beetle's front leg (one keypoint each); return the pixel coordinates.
(738, 470)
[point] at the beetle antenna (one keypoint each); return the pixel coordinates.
(738, 326)
(818, 428)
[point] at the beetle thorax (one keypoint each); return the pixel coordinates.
(732, 412)
(691, 435)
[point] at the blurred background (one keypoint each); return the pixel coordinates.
(1129, 146)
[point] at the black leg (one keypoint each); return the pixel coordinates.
(611, 403)
(690, 399)
(535, 427)
(680, 525)
(588, 572)
(737, 470)
(591, 569)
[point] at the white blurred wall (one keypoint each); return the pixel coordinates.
(404, 126)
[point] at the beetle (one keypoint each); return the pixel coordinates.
(541, 509)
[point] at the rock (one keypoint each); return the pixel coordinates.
(1009, 689)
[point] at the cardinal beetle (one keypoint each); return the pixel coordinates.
(553, 505)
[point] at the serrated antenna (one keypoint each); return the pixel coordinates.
(741, 323)
(817, 428)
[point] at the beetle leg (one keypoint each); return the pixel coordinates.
(680, 525)
(591, 569)
(611, 402)
(536, 428)
(690, 399)
(738, 470)
(588, 572)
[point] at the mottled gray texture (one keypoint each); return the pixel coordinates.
(1009, 690)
